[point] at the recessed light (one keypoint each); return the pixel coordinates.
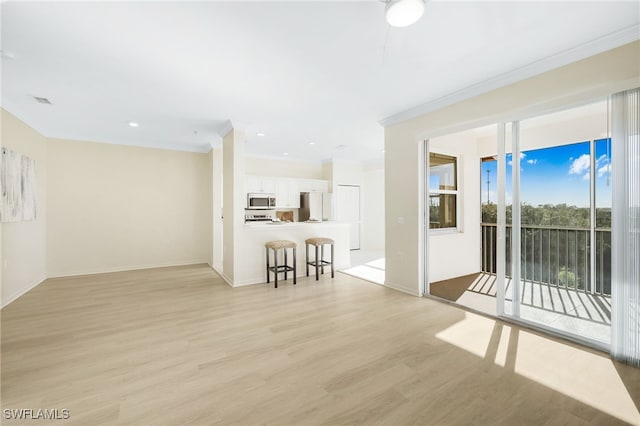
(260, 134)
(285, 154)
(312, 143)
(382, 151)
(133, 124)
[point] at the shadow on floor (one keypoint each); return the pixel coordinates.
(454, 288)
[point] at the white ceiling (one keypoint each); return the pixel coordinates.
(299, 72)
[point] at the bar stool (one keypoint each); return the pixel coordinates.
(319, 262)
(276, 269)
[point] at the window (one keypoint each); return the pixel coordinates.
(443, 191)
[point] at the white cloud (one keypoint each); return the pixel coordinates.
(603, 165)
(522, 155)
(586, 176)
(606, 169)
(532, 161)
(580, 165)
(602, 158)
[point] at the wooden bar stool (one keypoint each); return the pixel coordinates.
(319, 262)
(276, 269)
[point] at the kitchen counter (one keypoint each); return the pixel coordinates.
(256, 234)
(269, 225)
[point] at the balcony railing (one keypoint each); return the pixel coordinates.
(555, 256)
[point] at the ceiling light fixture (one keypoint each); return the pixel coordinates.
(260, 134)
(312, 143)
(285, 154)
(133, 124)
(402, 13)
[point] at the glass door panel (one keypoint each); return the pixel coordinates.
(603, 217)
(563, 166)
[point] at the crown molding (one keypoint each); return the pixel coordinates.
(585, 50)
(216, 141)
(224, 129)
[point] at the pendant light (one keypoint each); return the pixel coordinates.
(402, 13)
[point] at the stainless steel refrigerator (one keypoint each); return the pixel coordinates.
(315, 206)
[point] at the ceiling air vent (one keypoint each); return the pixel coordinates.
(42, 100)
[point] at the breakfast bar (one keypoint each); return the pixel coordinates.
(255, 235)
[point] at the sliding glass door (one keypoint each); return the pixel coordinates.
(558, 260)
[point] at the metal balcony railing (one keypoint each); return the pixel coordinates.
(555, 256)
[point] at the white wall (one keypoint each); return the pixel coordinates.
(261, 166)
(327, 173)
(345, 172)
(216, 194)
(373, 210)
(114, 207)
(23, 256)
(234, 202)
(457, 253)
(370, 178)
(591, 78)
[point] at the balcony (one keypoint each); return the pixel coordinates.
(556, 279)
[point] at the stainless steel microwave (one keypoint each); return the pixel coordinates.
(261, 201)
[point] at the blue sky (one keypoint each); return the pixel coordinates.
(556, 175)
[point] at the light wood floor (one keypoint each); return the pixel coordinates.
(177, 346)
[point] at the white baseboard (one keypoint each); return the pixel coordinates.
(124, 269)
(413, 292)
(19, 293)
(226, 279)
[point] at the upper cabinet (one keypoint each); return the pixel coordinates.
(287, 194)
(313, 185)
(287, 190)
(260, 184)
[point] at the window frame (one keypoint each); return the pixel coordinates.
(457, 192)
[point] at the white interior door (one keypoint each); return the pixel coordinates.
(348, 210)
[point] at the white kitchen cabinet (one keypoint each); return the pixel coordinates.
(253, 184)
(287, 194)
(313, 185)
(282, 194)
(287, 190)
(294, 194)
(269, 185)
(260, 184)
